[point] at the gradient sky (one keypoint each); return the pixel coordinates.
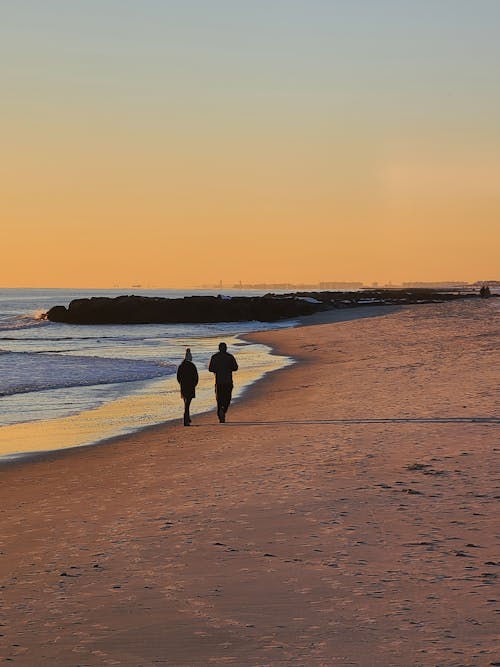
(179, 142)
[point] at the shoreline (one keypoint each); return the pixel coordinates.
(318, 319)
(327, 317)
(328, 535)
(149, 404)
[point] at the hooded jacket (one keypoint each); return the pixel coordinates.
(187, 377)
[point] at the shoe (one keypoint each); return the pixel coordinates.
(221, 415)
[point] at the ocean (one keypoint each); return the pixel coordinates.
(67, 385)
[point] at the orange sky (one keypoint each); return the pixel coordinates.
(176, 148)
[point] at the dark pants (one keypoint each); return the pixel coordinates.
(187, 417)
(223, 393)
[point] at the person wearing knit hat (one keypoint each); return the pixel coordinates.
(187, 377)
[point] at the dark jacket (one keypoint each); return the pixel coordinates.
(223, 364)
(187, 377)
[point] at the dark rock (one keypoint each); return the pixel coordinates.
(57, 314)
(267, 308)
(194, 309)
(383, 297)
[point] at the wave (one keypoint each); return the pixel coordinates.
(23, 372)
(95, 337)
(17, 322)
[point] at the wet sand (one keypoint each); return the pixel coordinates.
(347, 514)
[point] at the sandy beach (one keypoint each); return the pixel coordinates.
(346, 514)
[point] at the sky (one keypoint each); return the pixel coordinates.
(174, 143)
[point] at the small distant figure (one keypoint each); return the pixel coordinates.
(223, 364)
(484, 292)
(187, 377)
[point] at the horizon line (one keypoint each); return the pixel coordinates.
(264, 285)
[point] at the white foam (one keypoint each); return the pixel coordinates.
(22, 372)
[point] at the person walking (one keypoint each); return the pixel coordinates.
(187, 377)
(223, 364)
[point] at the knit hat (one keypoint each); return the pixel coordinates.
(188, 356)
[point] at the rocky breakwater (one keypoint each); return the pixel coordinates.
(192, 309)
(386, 296)
(267, 308)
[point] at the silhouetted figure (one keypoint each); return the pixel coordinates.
(223, 364)
(187, 377)
(484, 292)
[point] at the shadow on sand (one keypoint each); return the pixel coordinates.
(388, 420)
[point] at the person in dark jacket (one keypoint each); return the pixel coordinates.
(223, 365)
(187, 377)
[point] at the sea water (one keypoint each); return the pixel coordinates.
(64, 385)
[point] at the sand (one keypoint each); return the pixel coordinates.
(346, 514)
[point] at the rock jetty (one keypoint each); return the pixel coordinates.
(192, 309)
(130, 309)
